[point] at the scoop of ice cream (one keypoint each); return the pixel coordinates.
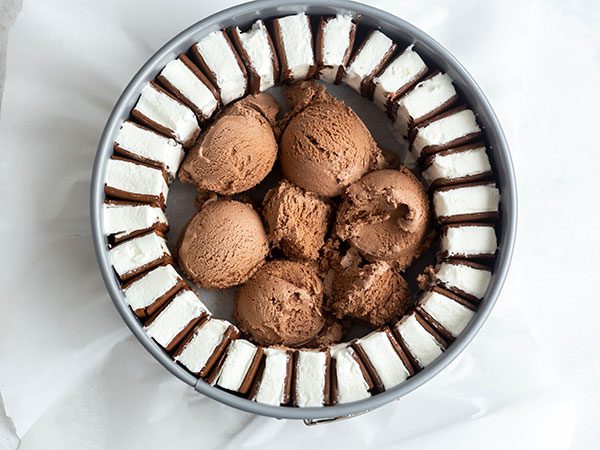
(281, 304)
(325, 146)
(237, 151)
(297, 220)
(335, 256)
(223, 244)
(373, 293)
(385, 216)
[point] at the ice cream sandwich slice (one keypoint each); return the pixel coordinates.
(452, 128)
(238, 368)
(467, 279)
(466, 202)
(256, 49)
(335, 39)
(186, 81)
(428, 98)
(132, 257)
(162, 111)
(422, 343)
(350, 380)
(367, 61)
(170, 324)
(468, 240)
(222, 65)
(398, 77)
(124, 220)
(135, 181)
(274, 380)
(464, 164)
(385, 360)
(447, 313)
(146, 293)
(311, 387)
(203, 347)
(141, 143)
(294, 43)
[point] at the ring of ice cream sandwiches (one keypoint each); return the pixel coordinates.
(207, 106)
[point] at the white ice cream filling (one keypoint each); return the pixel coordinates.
(190, 86)
(445, 130)
(424, 98)
(122, 220)
(135, 178)
(271, 390)
(310, 378)
(469, 240)
(476, 199)
(400, 72)
(183, 308)
(296, 39)
(367, 60)
(167, 112)
(255, 42)
(153, 285)
(457, 165)
(222, 62)
(467, 279)
(335, 42)
(384, 359)
(238, 360)
(131, 255)
(203, 344)
(450, 314)
(351, 383)
(419, 342)
(151, 146)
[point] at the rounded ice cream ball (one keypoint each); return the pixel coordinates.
(281, 304)
(223, 244)
(373, 293)
(385, 216)
(297, 220)
(237, 151)
(325, 146)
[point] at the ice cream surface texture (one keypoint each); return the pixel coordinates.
(237, 151)
(385, 216)
(325, 146)
(223, 244)
(297, 220)
(281, 304)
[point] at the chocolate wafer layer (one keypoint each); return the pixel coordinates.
(135, 181)
(150, 250)
(294, 43)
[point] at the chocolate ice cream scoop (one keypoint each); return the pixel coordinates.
(237, 151)
(297, 220)
(373, 293)
(385, 216)
(325, 146)
(223, 244)
(281, 304)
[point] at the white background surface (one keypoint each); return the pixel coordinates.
(72, 376)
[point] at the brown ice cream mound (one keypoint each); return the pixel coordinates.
(385, 216)
(223, 244)
(297, 220)
(325, 146)
(335, 257)
(372, 293)
(237, 151)
(281, 304)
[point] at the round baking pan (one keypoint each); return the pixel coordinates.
(398, 30)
